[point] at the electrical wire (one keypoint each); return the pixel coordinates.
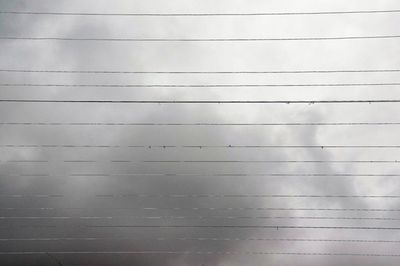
(196, 124)
(225, 239)
(201, 72)
(199, 253)
(199, 218)
(85, 39)
(147, 175)
(202, 146)
(199, 209)
(120, 161)
(215, 196)
(309, 102)
(198, 85)
(14, 12)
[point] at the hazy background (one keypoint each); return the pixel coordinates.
(79, 185)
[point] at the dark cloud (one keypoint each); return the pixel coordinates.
(80, 191)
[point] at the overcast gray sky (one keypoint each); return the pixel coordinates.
(97, 185)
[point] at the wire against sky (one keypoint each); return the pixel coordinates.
(52, 209)
(197, 124)
(309, 102)
(190, 14)
(217, 196)
(245, 227)
(334, 38)
(204, 217)
(203, 72)
(147, 175)
(121, 161)
(199, 253)
(200, 146)
(205, 175)
(227, 239)
(199, 85)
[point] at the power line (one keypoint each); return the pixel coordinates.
(199, 253)
(13, 12)
(243, 196)
(227, 239)
(277, 227)
(336, 38)
(310, 102)
(72, 146)
(65, 217)
(197, 124)
(199, 218)
(272, 227)
(216, 196)
(262, 161)
(197, 85)
(199, 209)
(203, 72)
(293, 146)
(204, 175)
(119, 161)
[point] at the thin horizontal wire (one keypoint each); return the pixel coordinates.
(197, 124)
(198, 85)
(289, 146)
(13, 12)
(203, 146)
(212, 161)
(336, 38)
(264, 161)
(59, 217)
(182, 196)
(200, 209)
(272, 227)
(202, 239)
(202, 253)
(310, 102)
(246, 196)
(204, 175)
(198, 218)
(277, 227)
(202, 72)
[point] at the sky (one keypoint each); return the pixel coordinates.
(71, 198)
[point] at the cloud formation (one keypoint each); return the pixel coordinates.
(84, 186)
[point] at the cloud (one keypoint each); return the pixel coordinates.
(80, 191)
